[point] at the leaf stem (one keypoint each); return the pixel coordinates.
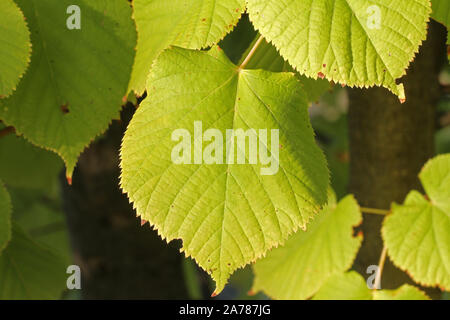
(374, 211)
(377, 282)
(251, 53)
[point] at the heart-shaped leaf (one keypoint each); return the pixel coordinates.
(227, 211)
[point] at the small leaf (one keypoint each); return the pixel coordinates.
(5, 217)
(353, 42)
(303, 264)
(416, 234)
(226, 214)
(15, 46)
(77, 78)
(192, 24)
(352, 286)
(29, 270)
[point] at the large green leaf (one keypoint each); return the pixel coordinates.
(302, 265)
(352, 286)
(192, 24)
(226, 214)
(76, 79)
(417, 234)
(441, 11)
(25, 165)
(29, 270)
(342, 39)
(15, 46)
(5, 217)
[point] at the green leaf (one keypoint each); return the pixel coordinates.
(5, 217)
(344, 286)
(40, 215)
(15, 47)
(29, 270)
(343, 40)
(25, 165)
(405, 292)
(352, 286)
(441, 11)
(226, 214)
(302, 265)
(192, 24)
(416, 234)
(267, 57)
(76, 79)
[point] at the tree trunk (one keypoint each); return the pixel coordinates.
(118, 258)
(389, 144)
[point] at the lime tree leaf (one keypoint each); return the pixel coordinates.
(5, 217)
(441, 11)
(29, 270)
(302, 265)
(76, 79)
(192, 24)
(15, 46)
(39, 214)
(226, 214)
(352, 286)
(353, 42)
(344, 286)
(267, 57)
(25, 165)
(416, 234)
(405, 292)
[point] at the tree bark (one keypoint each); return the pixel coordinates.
(389, 144)
(119, 258)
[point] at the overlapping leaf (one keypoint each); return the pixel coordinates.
(441, 11)
(267, 57)
(226, 214)
(352, 286)
(417, 234)
(354, 42)
(77, 78)
(303, 264)
(25, 165)
(5, 217)
(29, 270)
(15, 46)
(192, 24)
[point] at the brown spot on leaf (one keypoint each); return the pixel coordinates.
(321, 75)
(65, 108)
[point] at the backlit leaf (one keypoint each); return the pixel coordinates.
(353, 42)
(303, 264)
(15, 46)
(192, 24)
(417, 234)
(226, 214)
